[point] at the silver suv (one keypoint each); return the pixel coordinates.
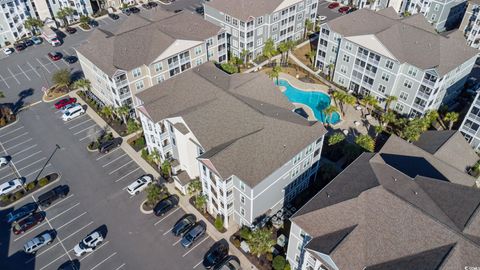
(38, 242)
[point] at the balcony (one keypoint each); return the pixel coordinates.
(373, 61)
(428, 82)
(469, 130)
(124, 95)
(423, 95)
(370, 73)
(418, 106)
(362, 56)
(474, 117)
(173, 65)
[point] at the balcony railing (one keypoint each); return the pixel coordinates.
(373, 61)
(474, 117)
(362, 56)
(173, 65)
(423, 95)
(428, 82)
(125, 95)
(121, 83)
(469, 130)
(418, 106)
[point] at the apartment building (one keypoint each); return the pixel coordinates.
(471, 124)
(81, 7)
(381, 54)
(249, 23)
(146, 50)
(12, 16)
(406, 207)
(238, 134)
(471, 24)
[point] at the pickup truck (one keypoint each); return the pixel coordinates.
(47, 198)
(50, 36)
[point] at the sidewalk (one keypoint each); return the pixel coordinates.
(136, 156)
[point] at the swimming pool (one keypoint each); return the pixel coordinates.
(317, 101)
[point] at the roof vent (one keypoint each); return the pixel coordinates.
(415, 192)
(394, 179)
(215, 77)
(328, 195)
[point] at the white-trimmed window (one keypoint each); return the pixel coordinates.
(158, 67)
(343, 69)
(139, 85)
(348, 46)
(259, 20)
(385, 77)
(235, 21)
(198, 50)
(242, 211)
(297, 158)
(381, 88)
(199, 61)
(346, 58)
(412, 71)
(295, 172)
(259, 42)
(403, 96)
(160, 79)
(227, 18)
(242, 199)
(407, 84)
(242, 186)
(137, 72)
(389, 64)
(399, 107)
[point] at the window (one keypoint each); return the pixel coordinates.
(403, 96)
(399, 107)
(348, 46)
(242, 186)
(259, 20)
(389, 64)
(227, 18)
(407, 84)
(242, 199)
(412, 71)
(235, 22)
(346, 58)
(139, 85)
(275, 27)
(437, 7)
(160, 79)
(381, 88)
(242, 211)
(385, 77)
(137, 72)
(275, 17)
(199, 61)
(297, 158)
(173, 141)
(198, 50)
(158, 67)
(434, 16)
(295, 172)
(343, 69)
(259, 42)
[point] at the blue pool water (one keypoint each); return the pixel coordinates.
(317, 101)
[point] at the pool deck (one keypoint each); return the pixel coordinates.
(307, 109)
(307, 87)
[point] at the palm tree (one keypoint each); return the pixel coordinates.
(337, 96)
(328, 112)
(451, 118)
(107, 111)
(201, 202)
(388, 118)
(244, 55)
(32, 24)
(166, 168)
(368, 101)
(311, 56)
(349, 100)
(290, 46)
(308, 27)
(366, 142)
(411, 132)
(123, 112)
(274, 73)
(83, 83)
(194, 187)
(283, 48)
(65, 13)
(260, 241)
(388, 101)
(62, 78)
(269, 49)
(378, 130)
(330, 67)
(335, 138)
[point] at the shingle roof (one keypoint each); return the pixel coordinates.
(398, 222)
(142, 38)
(243, 9)
(236, 118)
(410, 40)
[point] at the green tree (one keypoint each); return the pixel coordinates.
(311, 56)
(269, 49)
(201, 202)
(62, 78)
(65, 13)
(123, 112)
(83, 84)
(366, 142)
(388, 101)
(132, 126)
(278, 262)
(84, 19)
(154, 157)
(107, 111)
(290, 46)
(388, 118)
(432, 116)
(153, 194)
(194, 187)
(348, 100)
(244, 55)
(229, 68)
(274, 73)
(218, 223)
(378, 130)
(451, 118)
(328, 112)
(369, 102)
(308, 28)
(167, 168)
(32, 24)
(283, 48)
(335, 138)
(260, 241)
(412, 131)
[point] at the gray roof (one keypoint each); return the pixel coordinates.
(410, 40)
(236, 118)
(140, 39)
(243, 9)
(374, 216)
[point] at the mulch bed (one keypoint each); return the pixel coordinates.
(260, 263)
(137, 142)
(209, 217)
(12, 198)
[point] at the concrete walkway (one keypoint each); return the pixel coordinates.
(136, 156)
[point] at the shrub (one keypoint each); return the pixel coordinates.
(287, 266)
(4, 198)
(236, 242)
(19, 194)
(278, 263)
(140, 142)
(269, 257)
(3, 122)
(229, 68)
(219, 223)
(144, 153)
(154, 194)
(245, 232)
(30, 186)
(43, 182)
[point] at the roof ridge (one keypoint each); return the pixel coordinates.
(449, 138)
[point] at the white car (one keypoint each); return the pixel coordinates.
(139, 185)
(10, 186)
(38, 242)
(4, 161)
(69, 106)
(8, 51)
(72, 113)
(321, 18)
(88, 244)
(55, 42)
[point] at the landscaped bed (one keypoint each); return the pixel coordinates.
(137, 142)
(31, 187)
(213, 221)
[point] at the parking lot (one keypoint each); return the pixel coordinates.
(97, 199)
(323, 10)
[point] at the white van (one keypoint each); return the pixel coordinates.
(73, 112)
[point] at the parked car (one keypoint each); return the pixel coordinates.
(321, 18)
(37, 40)
(184, 224)
(22, 212)
(110, 145)
(146, 6)
(70, 30)
(52, 195)
(200, 10)
(73, 113)
(33, 245)
(229, 263)
(4, 161)
(152, 4)
(193, 234)
(343, 10)
(139, 184)
(134, 9)
(64, 102)
(113, 16)
(177, 10)
(88, 244)
(71, 105)
(351, 10)
(165, 205)
(55, 42)
(20, 47)
(215, 254)
(28, 43)
(93, 23)
(333, 5)
(70, 265)
(8, 51)
(126, 11)
(10, 186)
(28, 223)
(55, 56)
(70, 59)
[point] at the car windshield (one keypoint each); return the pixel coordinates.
(67, 113)
(82, 245)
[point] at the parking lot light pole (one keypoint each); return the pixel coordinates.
(48, 160)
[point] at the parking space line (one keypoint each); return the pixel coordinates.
(36, 153)
(53, 62)
(110, 173)
(34, 69)
(62, 200)
(13, 76)
(11, 131)
(165, 233)
(12, 173)
(34, 172)
(53, 261)
(177, 242)
(88, 135)
(73, 120)
(12, 139)
(196, 265)
(75, 205)
(26, 149)
(120, 179)
(43, 65)
(75, 232)
(79, 124)
(97, 265)
(97, 249)
(78, 132)
(5, 82)
(70, 221)
(108, 153)
(23, 71)
(124, 154)
(33, 163)
(19, 144)
(123, 264)
(195, 246)
(169, 214)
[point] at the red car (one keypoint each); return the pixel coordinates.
(55, 56)
(64, 102)
(343, 9)
(333, 5)
(28, 223)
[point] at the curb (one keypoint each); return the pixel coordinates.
(165, 4)
(48, 101)
(14, 122)
(143, 211)
(30, 194)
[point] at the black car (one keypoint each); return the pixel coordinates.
(193, 234)
(22, 212)
(113, 16)
(126, 11)
(199, 10)
(230, 262)
(110, 145)
(28, 42)
(50, 196)
(20, 47)
(70, 265)
(184, 224)
(146, 6)
(134, 9)
(70, 59)
(71, 30)
(152, 4)
(177, 10)
(93, 23)
(215, 254)
(351, 10)
(166, 205)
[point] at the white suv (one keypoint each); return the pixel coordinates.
(88, 244)
(73, 112)
(38, 242)
(10, 186)
(139, 185)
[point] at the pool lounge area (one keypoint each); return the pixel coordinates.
(315, 100)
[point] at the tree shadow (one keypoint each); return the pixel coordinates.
(16, 106)
(75, 76)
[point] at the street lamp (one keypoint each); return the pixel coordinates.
(57, 147)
